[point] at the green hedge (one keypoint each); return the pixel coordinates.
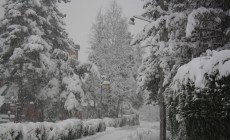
(201, 114)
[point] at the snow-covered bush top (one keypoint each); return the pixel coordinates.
(214, 63)
(68, 129)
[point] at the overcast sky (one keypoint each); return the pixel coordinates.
(82, 13)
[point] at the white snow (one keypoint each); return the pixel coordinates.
(36, 43)
(146, 131)
(14, 13)
(4, 22)
(30, 47)
(35, 28)
(195, 70)
(18, 52)
(47, 64)
(49, 130)
(93, 126)
(73, 84)
(71, 102)
(2, 98)
(14, 29)
(67, 129)
(109, 122)
(30, 12)
(195, 15)
(175, 19)
(112, 134)
(60, 54)
(1, 42)
(155, 24)
(37, 3)
(2, 89)
(51, 90)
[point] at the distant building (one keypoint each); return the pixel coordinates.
(74, 49)
(74, 52)
(4, 107)
(12, 110)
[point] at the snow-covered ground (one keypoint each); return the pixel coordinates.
(146, 130)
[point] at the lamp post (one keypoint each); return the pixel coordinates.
(106, 84)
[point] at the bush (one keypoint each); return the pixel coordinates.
(90, 127)
(130, 120)
(65, 130)
(110, 122)
(8, 132)
(68, 129)
(201, 113)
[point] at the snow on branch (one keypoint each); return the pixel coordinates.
(198, 18)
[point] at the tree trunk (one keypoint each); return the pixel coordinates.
(101, 104)
(118, 107)
(87, 112)
(109, 107)
(121, 108)
(162, 109)
(94, 107)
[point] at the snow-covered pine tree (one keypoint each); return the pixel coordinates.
(113, 55)
(183, 30)
(203, 101)
(167, 51)
(35, 46)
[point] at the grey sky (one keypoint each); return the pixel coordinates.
(82, 13)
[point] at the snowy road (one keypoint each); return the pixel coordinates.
(125, 133)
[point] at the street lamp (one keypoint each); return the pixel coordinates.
(132, 19)
(161, 98)
(31, 103)
(106, 84)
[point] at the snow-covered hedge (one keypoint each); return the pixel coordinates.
(109, 122)
(68, 129)
(90, 127)
(130, 120)
(200, 101)
(64, 130)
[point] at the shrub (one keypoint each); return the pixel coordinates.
(90, 127)
(68, 129)
(64, 130)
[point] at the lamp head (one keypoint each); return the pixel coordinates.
(106, 84)
(31, 102)
(132, 21)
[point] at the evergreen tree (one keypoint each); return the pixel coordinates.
(34, 51)
(113, 55)
(180, 31)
